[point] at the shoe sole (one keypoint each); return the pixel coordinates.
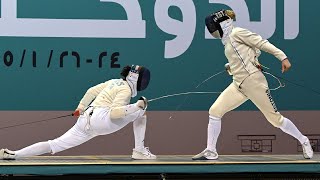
(200, 158)
(142, 159)
(203, 158)
(307, 157)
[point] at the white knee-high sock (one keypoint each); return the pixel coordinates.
(289, 128)
(34, 150)
(214, 129)
(139, 129)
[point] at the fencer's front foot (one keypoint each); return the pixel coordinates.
(6, 154)
(142, 154)
(206, 155)
(307, 150)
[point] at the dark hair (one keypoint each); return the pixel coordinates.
(125, 71)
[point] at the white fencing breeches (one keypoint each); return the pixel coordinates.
(88, 127)
(255, 87)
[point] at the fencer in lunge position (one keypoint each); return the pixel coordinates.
(242, 49)
(109, 112)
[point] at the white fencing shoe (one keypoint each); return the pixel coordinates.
(142, 154)
(307, 150)
(206, 155)
(6, 154)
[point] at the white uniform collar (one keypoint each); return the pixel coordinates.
(226, 27)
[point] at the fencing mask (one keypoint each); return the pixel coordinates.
(138, 79)
(214, 21)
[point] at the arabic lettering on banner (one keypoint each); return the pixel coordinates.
(183, 30)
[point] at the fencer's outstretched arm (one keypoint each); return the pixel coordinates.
(90, 95)
(256, 41)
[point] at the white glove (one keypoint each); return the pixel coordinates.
(227, 66)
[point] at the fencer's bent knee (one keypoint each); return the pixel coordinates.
(144, 116)
(215, 111)
(277, 121)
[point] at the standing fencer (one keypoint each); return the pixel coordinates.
(109, 112)
(242, 49)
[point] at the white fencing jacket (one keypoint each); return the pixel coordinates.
(114, 94)
(242, 50)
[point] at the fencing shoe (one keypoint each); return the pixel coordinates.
(6, 154)
(206, 155)
(144, 153)
(307, 150)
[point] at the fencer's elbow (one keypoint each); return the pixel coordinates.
(90, 91)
